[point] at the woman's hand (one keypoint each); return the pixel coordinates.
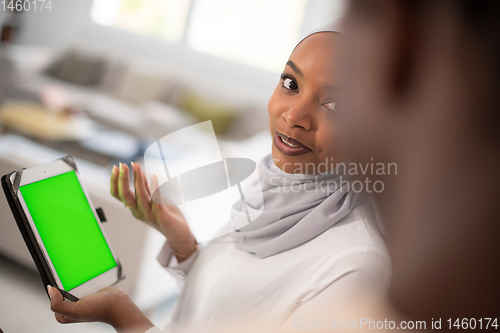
(110, 305)
(166, 219)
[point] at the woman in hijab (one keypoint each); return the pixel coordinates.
(315, 240)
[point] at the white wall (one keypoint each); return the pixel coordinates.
(69, 24)
(321, 12)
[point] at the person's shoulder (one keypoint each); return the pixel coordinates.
(358, 232)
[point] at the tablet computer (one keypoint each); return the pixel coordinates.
(61, 228)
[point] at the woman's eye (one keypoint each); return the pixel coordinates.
(289, 84)
(331, 105)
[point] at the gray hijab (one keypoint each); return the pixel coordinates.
(335, 26)
(293, 208)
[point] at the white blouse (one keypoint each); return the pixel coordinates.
(224, 286)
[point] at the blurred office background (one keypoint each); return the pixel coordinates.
(102, 80)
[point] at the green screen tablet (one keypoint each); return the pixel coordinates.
(68, 229)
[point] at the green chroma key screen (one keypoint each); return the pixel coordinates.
(68, 229)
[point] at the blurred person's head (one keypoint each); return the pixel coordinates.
(421, 90)
(302, 109)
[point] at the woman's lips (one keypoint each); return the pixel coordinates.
(289, 146)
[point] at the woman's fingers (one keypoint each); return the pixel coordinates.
(113, 183)
(126, 195)
(158, 207)
(143, 198)
(156, 196)
(62, 319)
(146, 182)
(65, 309)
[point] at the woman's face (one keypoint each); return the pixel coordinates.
(302, 115)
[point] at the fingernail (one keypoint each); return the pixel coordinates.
(121, 167)
(133, 165)
(50, 290)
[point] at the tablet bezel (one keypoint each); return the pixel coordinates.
(41, 172)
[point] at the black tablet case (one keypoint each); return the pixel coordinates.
(10, 189)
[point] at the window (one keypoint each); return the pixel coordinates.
(259, 33)
(165, 19)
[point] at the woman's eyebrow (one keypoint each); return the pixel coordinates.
(295, 68)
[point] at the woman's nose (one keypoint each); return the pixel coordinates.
(299, 116)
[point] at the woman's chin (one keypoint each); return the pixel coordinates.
(279, 161)
(286, 163)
